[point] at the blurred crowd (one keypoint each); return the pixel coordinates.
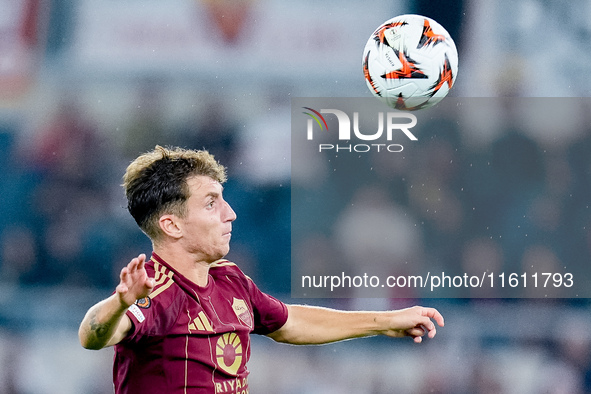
(65, 220)
(83, 96)
(517, 203)
(446, 203)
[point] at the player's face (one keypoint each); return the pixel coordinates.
(207, 226)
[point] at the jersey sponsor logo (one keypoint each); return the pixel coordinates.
(242, 312)
(237, 386)
(229, 353)
(144, 303)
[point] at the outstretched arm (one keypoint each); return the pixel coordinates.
(307, 325)
(106, 324)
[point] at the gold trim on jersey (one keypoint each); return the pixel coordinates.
(163, 278)
(225, 263)
(222, 263)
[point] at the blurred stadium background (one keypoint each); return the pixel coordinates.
(87, 85)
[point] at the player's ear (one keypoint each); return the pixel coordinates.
(168, 225)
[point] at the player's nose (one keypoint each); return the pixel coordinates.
(229, 214)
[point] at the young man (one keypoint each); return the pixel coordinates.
(180, 321)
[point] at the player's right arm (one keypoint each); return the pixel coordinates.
(106, 324)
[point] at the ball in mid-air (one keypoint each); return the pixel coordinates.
(411, 61)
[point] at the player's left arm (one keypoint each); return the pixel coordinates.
(308, 325)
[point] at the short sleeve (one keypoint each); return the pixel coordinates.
(270, 314)
(153, 316)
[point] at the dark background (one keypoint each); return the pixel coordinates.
(86, 86)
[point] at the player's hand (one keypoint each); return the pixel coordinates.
(134, 281)
(415, 322)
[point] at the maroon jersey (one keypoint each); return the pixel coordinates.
(191, 339)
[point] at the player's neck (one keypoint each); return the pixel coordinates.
(186, 264)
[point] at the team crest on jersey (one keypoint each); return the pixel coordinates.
(144, 302)
(242, 312)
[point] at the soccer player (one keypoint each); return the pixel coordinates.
(180, 321)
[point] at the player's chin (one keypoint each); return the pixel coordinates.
(223, 250)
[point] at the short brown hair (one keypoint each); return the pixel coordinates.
(156, 183)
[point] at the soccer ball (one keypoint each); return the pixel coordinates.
(410, 61)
